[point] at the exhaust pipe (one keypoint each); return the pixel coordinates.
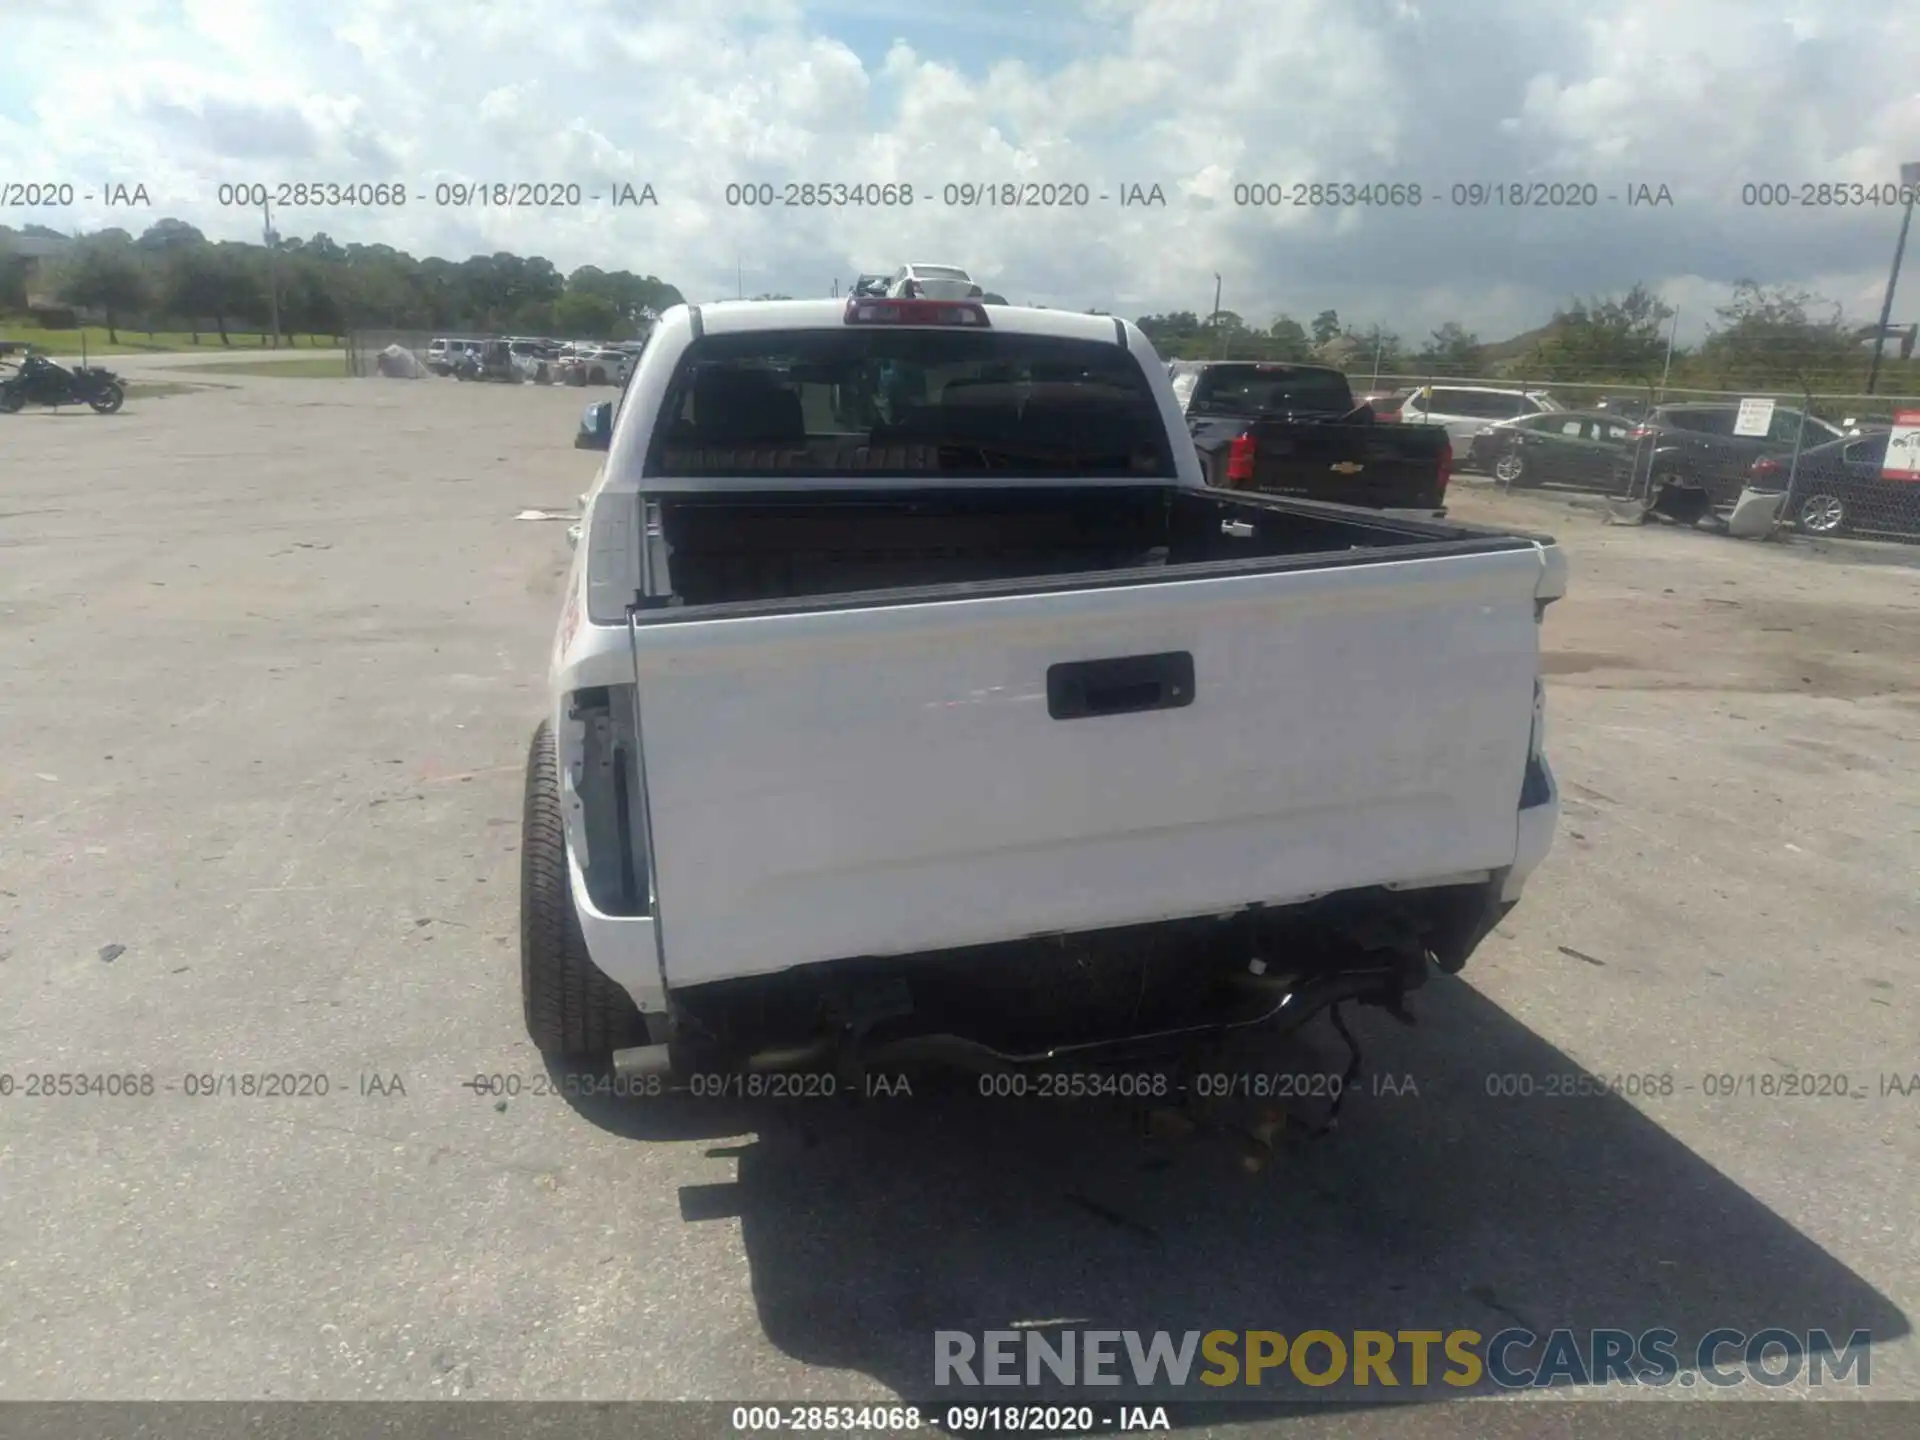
(642, 1062)
(1293, 1003)
(646, 1061)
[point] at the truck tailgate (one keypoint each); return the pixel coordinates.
(903, 777)
(1373, 465)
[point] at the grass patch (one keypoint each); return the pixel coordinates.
(312, 368)
(135, 342)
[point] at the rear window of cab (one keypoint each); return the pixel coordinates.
(874, 400)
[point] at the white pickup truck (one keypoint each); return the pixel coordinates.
(915, 701)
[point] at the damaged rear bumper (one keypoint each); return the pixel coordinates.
(1200, 985)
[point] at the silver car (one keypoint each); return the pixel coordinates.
(1466, 410)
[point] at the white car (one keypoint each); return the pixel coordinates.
(590, 365)
(443, 355)
(534, 359)
(1466, 410)
(914, 701)
(933, 282)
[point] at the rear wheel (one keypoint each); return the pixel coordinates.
(1511, 470)
(108, 398)
(1822, 513)
(573, 1011)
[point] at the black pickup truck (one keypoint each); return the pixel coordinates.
(1287, 429)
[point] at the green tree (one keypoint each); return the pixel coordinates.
(1379, 350)
(13, 275)
(1610, 339)
(1179, 325)
(100, 274)
(241, 287)
(321, 248)
(374, 292)
(1226, 336)
(308, 302)
(531, 317)
(1451, 350)
(191, 287)
(1769, 337)
(592, 317)
(635, 296)
(1287, 339)
(1326, 325)
(168, 234)
(325, 286)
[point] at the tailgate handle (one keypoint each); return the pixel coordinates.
(1126, 686)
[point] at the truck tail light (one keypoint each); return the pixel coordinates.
(1240, 460)
(1764, 471)
(1639, 433)
(1446, 467)
(971, 314)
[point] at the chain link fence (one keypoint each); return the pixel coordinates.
(1821, 463)
(1837, 463)
(365, 347)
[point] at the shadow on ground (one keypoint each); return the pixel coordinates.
(870, 1227)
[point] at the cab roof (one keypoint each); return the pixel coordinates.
(745, 317)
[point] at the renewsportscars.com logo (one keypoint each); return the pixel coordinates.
(1512, 1359)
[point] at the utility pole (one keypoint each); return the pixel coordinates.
(273, 266)
(1667, 369)
(1215, 322)
(1909, 182)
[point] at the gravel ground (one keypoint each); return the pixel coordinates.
(274, 648)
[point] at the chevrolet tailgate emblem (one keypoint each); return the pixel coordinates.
(1347, 467)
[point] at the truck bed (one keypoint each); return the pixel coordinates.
(748, 549)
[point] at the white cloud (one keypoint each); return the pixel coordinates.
(1197, 96)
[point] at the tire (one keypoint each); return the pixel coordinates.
(1822, 513)
(107, 399)
(597, 377)
(12, 402)
(1511, 471)
(573, 1012)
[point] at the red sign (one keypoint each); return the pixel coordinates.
(1903, 447)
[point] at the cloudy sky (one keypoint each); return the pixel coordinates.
(1197, 97)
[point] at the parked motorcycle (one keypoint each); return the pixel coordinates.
(38, 381)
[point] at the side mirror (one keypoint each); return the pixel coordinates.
(596, 427)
